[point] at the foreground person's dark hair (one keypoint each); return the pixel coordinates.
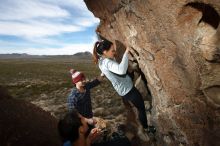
(68, 126)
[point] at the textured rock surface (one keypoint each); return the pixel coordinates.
(177, 47)
(24, 124)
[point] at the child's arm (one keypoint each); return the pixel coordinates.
(93, 84)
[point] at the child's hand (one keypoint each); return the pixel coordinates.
(101, 77)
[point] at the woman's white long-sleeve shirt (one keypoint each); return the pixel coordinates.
(113, 70)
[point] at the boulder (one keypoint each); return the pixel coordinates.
(176, 45)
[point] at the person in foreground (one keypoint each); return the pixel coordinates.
(74, 131)
(104, 55)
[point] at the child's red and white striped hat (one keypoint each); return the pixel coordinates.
(76, 76)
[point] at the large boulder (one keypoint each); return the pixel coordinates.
(24, 124)
(177, 47)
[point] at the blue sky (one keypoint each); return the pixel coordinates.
(46, 27)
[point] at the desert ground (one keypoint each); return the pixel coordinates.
(46, 82)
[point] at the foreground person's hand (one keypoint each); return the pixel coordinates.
(94, 135)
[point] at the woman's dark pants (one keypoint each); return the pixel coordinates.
(136, 98)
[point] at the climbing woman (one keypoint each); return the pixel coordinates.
(104, 55)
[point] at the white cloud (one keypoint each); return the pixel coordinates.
(84, 22)
(32, 29)
(40, 21)
(27, 18)
(77, 4)
(17, 10)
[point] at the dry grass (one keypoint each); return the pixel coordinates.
(46, 82)
(27, 77)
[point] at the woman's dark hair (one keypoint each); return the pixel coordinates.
(68, 127)
(99, 48)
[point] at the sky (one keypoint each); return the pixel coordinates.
(46, 27)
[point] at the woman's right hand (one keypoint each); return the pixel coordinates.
(127, 49)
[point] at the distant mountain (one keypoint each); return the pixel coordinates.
(17, 56)
(82, 55)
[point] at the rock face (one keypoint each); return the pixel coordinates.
(24, 124)
(177, 47)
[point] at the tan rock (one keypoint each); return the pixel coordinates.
(176, 45)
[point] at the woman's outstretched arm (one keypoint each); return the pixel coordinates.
(119, 68)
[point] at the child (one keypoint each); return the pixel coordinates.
(103, 54)
(79, 97)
